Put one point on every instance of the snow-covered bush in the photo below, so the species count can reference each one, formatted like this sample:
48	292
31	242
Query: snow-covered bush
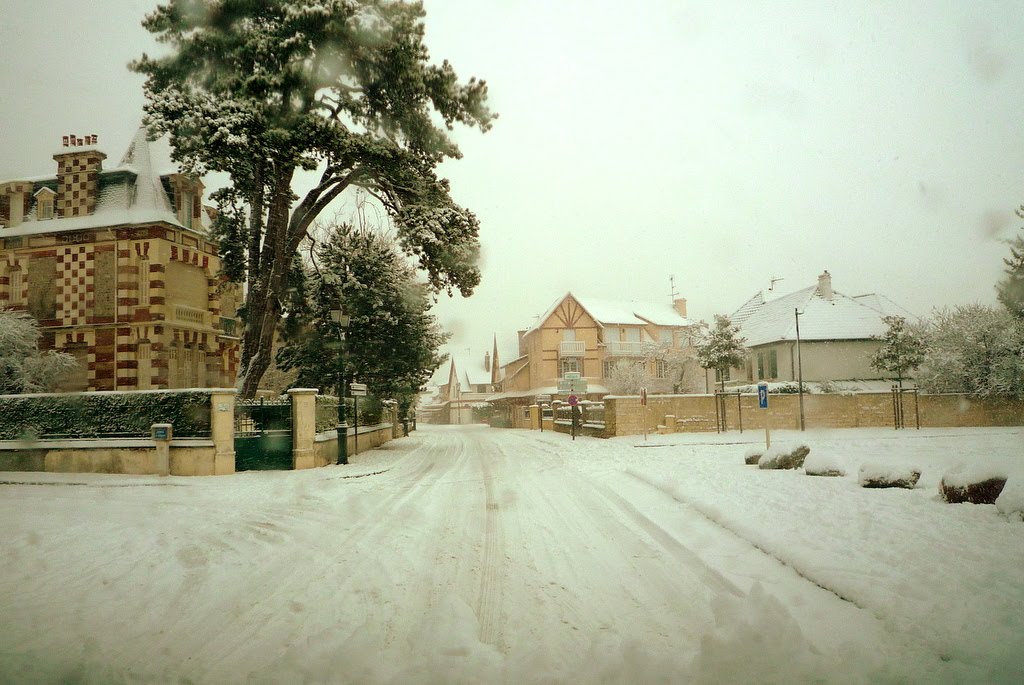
824	465
784	457
753	455
888	476
974	483
1011	500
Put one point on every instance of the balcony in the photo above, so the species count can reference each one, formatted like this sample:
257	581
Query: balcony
191	315
572	348
625	349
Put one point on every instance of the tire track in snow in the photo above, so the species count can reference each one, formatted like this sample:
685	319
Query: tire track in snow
489	602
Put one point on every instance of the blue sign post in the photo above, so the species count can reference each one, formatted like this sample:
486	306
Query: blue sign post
762	403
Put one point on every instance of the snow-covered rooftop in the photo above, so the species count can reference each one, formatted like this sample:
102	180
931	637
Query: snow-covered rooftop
138	198
824	315
621	312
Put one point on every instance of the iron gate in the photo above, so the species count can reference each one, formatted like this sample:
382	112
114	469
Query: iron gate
263	435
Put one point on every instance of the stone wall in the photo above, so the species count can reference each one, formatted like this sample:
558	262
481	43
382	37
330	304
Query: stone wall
696	413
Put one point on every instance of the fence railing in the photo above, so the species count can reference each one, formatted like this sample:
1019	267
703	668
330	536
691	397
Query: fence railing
625	349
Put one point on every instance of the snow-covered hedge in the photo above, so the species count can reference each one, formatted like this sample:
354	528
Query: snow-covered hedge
753	455
784	457
824	465
104	414
974	483
888	476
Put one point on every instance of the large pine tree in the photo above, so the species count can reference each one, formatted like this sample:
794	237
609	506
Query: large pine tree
262	89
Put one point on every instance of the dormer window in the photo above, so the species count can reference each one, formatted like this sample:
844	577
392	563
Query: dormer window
44	204
186	209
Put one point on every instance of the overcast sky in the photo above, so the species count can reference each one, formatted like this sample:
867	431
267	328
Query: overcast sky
723	143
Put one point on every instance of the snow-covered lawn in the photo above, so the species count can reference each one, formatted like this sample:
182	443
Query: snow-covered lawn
468	554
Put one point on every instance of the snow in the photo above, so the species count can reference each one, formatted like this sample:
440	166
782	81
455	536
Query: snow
1010	502
886	472
965	474
469	554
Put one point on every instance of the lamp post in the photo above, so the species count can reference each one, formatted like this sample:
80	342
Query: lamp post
341	319
800	366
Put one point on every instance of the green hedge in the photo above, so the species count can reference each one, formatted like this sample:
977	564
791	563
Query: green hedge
101	414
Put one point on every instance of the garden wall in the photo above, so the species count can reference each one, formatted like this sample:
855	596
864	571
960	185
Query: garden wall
696	413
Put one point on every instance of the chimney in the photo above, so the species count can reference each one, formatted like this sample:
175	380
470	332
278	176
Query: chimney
680	304
522	343
825	285
487	361
78	176
18	196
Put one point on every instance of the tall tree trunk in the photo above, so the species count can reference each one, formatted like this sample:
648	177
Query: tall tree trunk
266	286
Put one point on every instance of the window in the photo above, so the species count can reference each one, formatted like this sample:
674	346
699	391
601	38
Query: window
526	413
633	334
569	334
16	287
145	365
186	209
760	364
773	364
720	376
144	281
660	368
570	365
666	336
608	368
44	205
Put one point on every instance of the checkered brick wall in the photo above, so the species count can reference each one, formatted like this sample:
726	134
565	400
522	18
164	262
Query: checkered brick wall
75	267
78	182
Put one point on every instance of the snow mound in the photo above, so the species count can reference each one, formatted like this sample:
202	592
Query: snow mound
1011	500
784	456
753	455
824	465
875	475
974	483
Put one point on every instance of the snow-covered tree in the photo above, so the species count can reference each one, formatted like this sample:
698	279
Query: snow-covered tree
721	348
23	368
974	349
1011	289
263	89
628	376
903	348
392	339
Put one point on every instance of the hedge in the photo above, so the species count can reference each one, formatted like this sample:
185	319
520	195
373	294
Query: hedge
102	415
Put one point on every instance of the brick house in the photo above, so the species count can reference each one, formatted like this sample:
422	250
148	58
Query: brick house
118	269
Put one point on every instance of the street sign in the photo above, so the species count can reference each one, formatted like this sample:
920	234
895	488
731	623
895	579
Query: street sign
573	400
762	395
357	389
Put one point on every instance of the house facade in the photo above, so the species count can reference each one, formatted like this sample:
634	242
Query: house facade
118	269
837	335
469	384
601	340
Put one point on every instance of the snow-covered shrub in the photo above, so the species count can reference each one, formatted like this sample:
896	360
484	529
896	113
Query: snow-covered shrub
974	483
888	476
824	465
753	455
1011	500
784	457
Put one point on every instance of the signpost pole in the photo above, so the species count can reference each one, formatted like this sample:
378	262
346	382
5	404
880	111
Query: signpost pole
762	403
643	410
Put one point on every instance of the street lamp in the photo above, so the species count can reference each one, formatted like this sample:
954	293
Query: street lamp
339	317
800	366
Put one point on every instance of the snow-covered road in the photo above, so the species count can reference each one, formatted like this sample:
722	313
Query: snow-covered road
468	554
